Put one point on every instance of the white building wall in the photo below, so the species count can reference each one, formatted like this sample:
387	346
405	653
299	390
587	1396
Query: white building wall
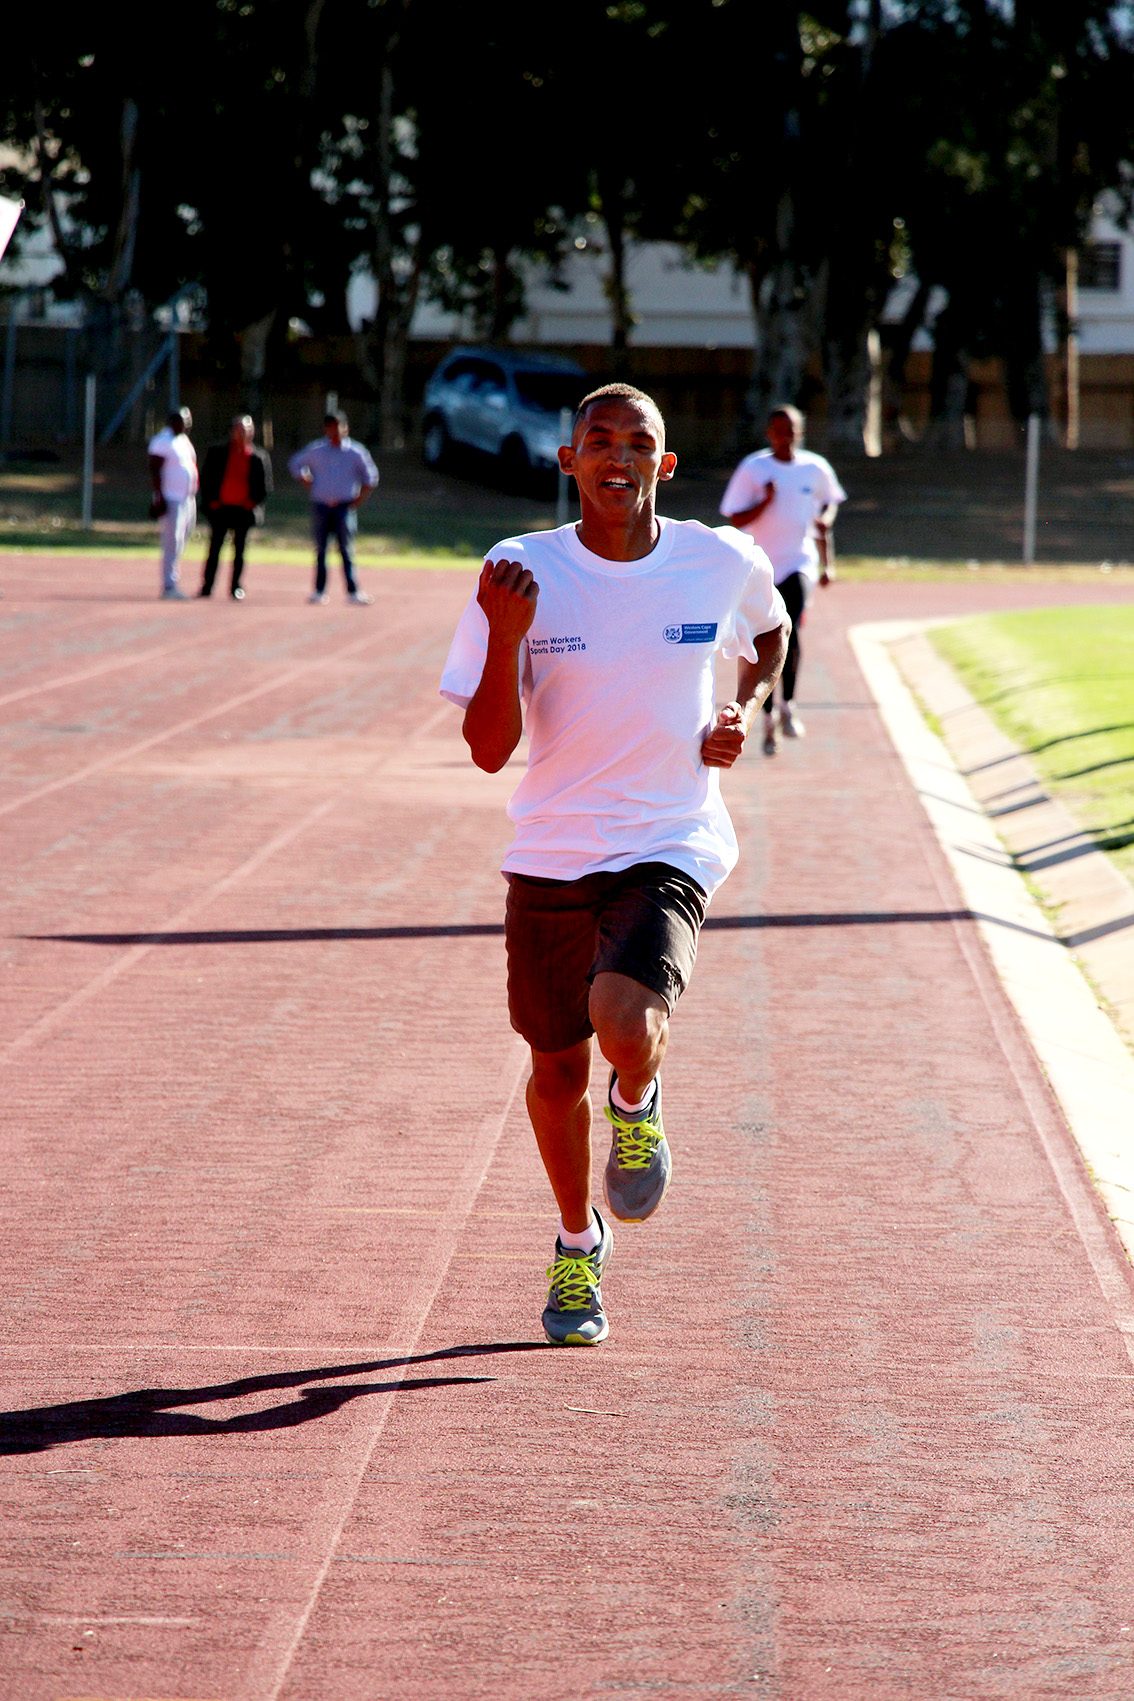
676	303
1106	317
680	304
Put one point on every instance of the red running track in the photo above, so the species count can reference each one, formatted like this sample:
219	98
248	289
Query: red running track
277	1417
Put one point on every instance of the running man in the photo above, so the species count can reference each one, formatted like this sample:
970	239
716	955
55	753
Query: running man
786	498
606	632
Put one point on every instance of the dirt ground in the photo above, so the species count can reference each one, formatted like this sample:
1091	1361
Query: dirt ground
933	507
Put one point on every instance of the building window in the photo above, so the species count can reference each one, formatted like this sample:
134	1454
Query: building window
1100	266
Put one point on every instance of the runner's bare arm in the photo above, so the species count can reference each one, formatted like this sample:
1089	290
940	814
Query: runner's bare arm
754	682
157	501
823	538
745	516
493	722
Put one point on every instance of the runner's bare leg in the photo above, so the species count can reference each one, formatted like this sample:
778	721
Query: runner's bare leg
631	1024
559	1104
632	1027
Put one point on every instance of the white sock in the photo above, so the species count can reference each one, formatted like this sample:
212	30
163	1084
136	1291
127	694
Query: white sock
624	1104
581	1240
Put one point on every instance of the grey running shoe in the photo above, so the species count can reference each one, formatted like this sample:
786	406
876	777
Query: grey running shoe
173	593
573	1316
790	724
771	737
639	1166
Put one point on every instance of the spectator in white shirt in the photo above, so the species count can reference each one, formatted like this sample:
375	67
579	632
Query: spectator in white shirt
173	474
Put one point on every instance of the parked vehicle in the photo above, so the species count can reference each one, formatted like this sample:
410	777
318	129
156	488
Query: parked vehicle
502	403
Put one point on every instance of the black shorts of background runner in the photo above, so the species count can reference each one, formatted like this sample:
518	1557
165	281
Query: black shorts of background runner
642	922
794	590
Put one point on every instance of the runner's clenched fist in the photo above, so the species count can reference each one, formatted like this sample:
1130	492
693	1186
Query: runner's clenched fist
508	594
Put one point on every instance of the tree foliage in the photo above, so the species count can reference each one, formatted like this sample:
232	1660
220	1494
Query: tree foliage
264	151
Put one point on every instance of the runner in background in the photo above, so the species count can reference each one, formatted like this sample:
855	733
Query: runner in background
786	499
607	632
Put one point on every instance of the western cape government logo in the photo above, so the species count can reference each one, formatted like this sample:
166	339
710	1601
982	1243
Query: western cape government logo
700	632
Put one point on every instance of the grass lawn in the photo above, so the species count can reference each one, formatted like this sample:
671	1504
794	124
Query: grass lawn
443	544
1060	682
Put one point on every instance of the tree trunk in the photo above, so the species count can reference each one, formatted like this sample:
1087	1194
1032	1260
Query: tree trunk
613	195
847	369
66	254
1025	369
785	301
894	380
949	383
253	340
381	346
125	236
392	418
503	306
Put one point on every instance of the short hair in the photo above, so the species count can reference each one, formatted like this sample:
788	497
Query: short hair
179	417
339	419
620	393
788	412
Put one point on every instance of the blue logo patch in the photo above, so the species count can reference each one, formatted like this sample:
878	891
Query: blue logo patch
702	632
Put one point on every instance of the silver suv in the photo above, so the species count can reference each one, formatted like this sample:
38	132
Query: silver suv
501	403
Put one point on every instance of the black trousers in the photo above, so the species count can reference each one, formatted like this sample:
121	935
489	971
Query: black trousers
239	522
793	589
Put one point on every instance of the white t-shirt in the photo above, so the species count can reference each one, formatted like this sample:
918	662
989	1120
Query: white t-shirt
179	464
785	531
617	675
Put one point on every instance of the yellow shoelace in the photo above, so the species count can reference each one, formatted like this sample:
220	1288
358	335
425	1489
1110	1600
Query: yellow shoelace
634	1142
573	1280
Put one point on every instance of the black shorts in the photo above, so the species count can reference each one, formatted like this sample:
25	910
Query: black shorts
642	922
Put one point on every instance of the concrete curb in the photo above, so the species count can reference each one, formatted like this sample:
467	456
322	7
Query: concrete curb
1089	1068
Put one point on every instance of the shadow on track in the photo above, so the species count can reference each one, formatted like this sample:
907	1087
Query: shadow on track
486	929
154	1411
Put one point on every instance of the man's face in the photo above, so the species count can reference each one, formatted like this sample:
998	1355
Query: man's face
181	421
618	457
333	432
243	432
782	434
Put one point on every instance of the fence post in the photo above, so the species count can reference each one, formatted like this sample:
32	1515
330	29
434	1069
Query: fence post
1072	287
9	377
88	453
1031	488
563	491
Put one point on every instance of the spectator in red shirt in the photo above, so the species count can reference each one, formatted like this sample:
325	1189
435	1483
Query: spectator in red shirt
235	480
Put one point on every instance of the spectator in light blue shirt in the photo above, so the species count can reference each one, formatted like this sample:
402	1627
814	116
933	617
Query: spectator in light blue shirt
340	476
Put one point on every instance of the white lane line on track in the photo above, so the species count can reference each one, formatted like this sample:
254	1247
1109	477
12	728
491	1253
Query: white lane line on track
263	690
113	665
1027	968
276	1650
173	924
65	679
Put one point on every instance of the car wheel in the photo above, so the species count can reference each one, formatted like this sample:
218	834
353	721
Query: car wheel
515	466
436	444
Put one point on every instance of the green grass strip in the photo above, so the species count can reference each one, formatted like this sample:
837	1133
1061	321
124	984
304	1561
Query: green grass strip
1060	683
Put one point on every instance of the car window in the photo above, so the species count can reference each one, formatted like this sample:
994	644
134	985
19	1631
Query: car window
463	368
550	391
489	377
